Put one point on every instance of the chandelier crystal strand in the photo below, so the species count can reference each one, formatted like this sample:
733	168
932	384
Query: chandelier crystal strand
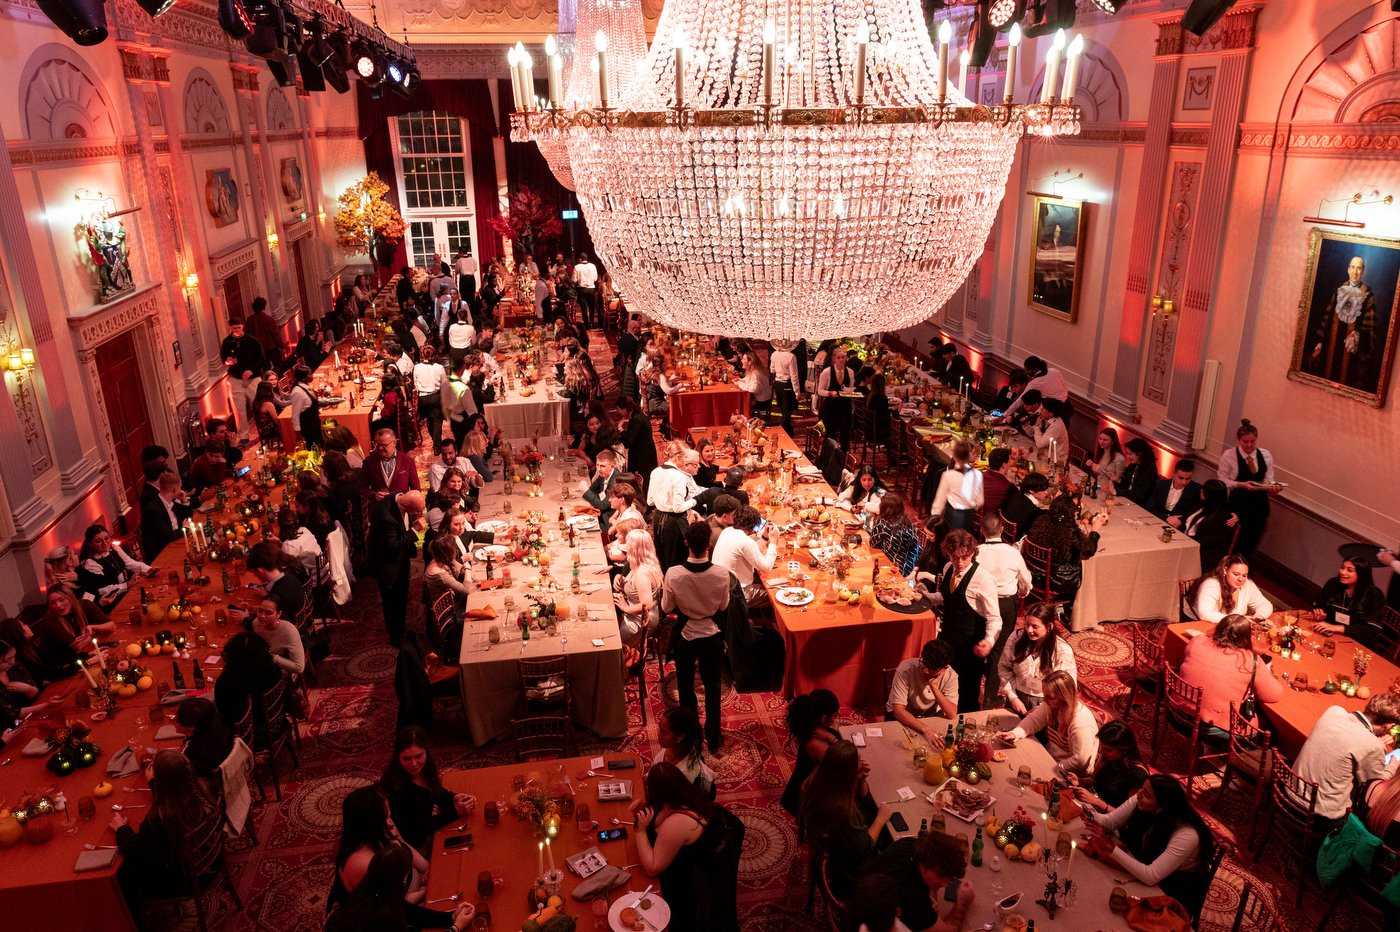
813	217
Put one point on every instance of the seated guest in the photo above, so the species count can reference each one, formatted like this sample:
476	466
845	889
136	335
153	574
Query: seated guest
657	389
1139	479
605	475
340	439
208	471
1016	381
1344	751
476	446
1213	526
683	744
1050	434
811	721
757	382
208	739
1378	807
418	803
733	477
1031	653
366	831
217	428
921	868
839	817
36	670
956	371
894	533
862	497
448	494
707	476
449	460
1069	725
597	437
998	481
1161	840
272	567
343	488
151	473
297	541
721	517
737	551
1108	462
622	498
1227	590
104	569
66	631
282	637
923	686
311	515
1350	603
249	672
1024	413
1178	496
1025	504
959	494
637	595
1070	545
17	690
1225	668
1120	773
164	515
153	863
446	572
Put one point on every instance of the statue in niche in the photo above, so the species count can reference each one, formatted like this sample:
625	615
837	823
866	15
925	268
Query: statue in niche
106	242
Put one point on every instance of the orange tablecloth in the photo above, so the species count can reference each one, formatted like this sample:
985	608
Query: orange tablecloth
38	886
357	419
843	648
1295	714
514	315
710	406
511	852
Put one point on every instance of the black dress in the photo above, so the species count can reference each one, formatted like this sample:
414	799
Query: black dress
1252	506
209	748
1116	780
418	916
801	770
418	812
1215	535
640	443
697	885
1138	482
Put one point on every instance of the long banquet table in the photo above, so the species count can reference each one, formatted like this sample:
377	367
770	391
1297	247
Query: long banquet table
356	418
38	886
843	648
710	406
1295	714
491	688
534	415
892	768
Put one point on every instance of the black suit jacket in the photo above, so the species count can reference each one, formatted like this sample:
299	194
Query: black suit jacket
1138	483
389	545
292	594
156	531
1021	511
706	499
1189	503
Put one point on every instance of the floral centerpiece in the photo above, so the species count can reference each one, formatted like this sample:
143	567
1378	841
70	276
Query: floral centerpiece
839	564
71	748
534	805
971	761
533	461
357	354
1018	830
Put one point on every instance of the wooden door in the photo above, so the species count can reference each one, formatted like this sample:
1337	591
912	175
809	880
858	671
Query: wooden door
118	366
233	298
308	310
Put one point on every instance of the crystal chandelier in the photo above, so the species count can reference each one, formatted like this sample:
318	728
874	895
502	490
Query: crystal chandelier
790	170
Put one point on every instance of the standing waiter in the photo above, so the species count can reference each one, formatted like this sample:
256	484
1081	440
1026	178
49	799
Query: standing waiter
1013	579
835	379
244	358
672	491
465	267
971	616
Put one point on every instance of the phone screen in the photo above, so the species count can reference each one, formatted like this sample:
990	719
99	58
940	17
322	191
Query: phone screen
457	841
612	834
243	471
762	523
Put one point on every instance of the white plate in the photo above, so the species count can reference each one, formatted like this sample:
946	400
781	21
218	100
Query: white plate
971	816
494	527
496	553
794	596
656	918
584	522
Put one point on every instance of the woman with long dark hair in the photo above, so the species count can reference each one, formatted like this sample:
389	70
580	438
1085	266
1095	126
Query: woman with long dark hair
1070	545
1108	462
1140	474
418	803
1212	525
1350	595
811	721
598	435
1226	590
878	407
1161	840
17	689
1225	668
864	493
839	816
249	672
152	863
1120	772
682	743
105	571
20	636
377	905
265	413
1030	653
67	630
208	739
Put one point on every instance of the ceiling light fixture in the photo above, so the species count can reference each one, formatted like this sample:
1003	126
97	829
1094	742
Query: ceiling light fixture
83	21
1004	13
1203	14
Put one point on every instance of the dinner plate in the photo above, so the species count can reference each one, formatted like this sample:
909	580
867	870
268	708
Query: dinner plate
495	552
794	595
584	522
655	918
494	527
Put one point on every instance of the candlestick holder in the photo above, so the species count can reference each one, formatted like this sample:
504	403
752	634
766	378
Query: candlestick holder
1058	893
552	881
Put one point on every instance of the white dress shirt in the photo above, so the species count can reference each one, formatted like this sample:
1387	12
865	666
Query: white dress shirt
1050	385
1229	467
457	400
586	275
304	548
671	489
301	400
1006	566
461	336
1209	606
1054	430
405	365
428	378
465	265
962	490
982	597
438	469
740	554
783	365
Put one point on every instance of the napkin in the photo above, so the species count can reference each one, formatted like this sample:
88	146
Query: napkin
603	880
174	697
805	470
168	733
38	747
123	763
95	860
585	510
486	611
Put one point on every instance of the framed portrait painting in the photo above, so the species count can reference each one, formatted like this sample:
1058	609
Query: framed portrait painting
1057	256
221	196
1347	317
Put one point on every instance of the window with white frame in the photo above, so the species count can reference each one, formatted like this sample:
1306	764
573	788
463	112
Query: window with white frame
435	175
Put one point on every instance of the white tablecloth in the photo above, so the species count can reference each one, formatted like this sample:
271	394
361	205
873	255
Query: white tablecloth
535	415
1134	575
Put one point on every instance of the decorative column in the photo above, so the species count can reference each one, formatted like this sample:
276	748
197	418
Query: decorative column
268	197
498	148
1122	400
1201	268
77	472
319	219
245	87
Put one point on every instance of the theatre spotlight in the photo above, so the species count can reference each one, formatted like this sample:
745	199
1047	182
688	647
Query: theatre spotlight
155	7
235	19
1048	17
411	78
83	21
336	67
369	63
1203	14
269	38
284	72
980	38
295	35
1110	6
1003	14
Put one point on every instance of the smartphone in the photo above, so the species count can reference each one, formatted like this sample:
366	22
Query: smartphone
612	834
242	471
950	892
457	841
622	764
897	820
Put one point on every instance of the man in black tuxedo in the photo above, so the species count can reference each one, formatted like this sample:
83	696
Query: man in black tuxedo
392	542
732	477
604	476
1176	498
1022	506
164	515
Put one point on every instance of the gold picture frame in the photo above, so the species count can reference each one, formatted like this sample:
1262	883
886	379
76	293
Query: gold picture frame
1059	228
1348	315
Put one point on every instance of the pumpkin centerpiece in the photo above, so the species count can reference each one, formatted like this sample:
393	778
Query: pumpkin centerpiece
71	748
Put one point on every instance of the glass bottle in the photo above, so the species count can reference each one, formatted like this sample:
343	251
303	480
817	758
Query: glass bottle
977	848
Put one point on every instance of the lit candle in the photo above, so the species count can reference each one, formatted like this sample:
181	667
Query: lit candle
1069	871
550	848
512	59
945	36
1013	43
963	59
1076	48
679	44
862	41
551	51
337	365
101	658
1045	828
600	42
770	59
541	873
1052	67
87	673
185	533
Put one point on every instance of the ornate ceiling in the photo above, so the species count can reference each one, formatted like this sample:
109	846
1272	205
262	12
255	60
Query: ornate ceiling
477	22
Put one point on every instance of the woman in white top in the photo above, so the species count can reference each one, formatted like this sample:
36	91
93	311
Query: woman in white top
1031	654
1072	730
1161	840
637	595
1227	590
757	382
959	490
782	364
1051	438
862	496
1108	462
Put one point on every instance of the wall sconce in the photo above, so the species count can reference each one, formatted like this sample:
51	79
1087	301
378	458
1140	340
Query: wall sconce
1356	200
20	362
192	281
1055	183
1163	306
321	214
272	239
83	194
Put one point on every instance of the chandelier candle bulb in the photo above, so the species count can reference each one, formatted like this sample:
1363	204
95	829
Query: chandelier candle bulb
597	97
1013	44
945	36
513	59
862	42
679	43
551	51
600	42
963	59
1052	67
528	63
770	59
1076	48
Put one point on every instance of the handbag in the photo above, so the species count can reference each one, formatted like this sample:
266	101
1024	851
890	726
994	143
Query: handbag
1249	707
1158	914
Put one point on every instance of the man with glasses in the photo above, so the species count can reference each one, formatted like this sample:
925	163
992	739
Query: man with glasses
924	685
386	471
672	491
391	545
